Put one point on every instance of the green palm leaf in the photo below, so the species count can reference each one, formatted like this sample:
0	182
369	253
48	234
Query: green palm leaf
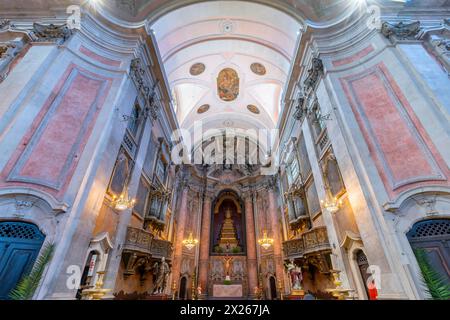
437	286
27	286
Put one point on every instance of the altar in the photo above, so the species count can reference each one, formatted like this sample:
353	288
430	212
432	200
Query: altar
227	291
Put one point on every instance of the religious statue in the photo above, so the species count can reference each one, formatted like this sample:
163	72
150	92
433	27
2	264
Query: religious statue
160	273
199	291
295	273
228	265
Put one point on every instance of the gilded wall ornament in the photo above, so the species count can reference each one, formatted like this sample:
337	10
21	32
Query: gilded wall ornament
228	84
203	108
197	69
258	68
254	109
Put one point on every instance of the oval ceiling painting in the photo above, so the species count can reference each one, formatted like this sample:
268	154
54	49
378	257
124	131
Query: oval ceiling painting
228	84
197	69
203	109
252	108
258	69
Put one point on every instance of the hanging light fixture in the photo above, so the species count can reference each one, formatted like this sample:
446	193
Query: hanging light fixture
265	242
190	242
332	205
123	202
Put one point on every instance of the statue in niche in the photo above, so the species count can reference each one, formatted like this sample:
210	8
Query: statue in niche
228	84
160	271
295	273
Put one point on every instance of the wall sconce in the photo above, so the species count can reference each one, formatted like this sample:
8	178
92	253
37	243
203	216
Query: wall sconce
332	205
265	242
190	242
123	202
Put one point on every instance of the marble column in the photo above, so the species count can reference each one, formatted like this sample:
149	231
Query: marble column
181	224
277	246
252	262
204	244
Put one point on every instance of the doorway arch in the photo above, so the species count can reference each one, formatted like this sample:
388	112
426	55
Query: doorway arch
20	243
433	236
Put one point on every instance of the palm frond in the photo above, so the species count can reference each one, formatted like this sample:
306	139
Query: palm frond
27	286
436	285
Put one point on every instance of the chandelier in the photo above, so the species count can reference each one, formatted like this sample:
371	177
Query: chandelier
190	242
123	202
265	242
332	205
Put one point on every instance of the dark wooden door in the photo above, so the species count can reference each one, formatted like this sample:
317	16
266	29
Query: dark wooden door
273	288
19	246
363	265
434	237
183	288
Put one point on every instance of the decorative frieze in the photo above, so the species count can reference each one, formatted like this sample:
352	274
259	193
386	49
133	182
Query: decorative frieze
401	30
50	33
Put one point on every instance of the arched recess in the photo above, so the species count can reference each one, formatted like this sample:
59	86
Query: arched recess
227	197
20	243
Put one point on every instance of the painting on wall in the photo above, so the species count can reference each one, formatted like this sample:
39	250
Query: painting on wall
253	109
258	68
228	84
121	173
203	109
197	69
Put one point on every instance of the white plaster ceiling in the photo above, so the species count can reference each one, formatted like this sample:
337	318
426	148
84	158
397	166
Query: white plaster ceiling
227	34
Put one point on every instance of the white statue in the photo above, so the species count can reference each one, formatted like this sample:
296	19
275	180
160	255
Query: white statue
160	272
295	273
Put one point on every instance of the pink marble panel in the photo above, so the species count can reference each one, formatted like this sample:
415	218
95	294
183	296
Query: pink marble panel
403	153
49	152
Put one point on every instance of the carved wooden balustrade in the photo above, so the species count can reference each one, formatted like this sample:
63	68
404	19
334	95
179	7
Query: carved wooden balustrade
313	241
141	250
143	241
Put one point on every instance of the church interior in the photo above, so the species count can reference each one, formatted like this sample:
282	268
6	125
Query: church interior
217	150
